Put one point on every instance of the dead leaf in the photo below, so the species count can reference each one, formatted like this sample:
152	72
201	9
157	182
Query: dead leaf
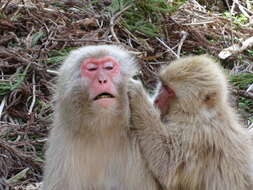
87	23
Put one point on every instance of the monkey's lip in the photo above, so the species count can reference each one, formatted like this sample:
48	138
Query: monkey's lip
103	95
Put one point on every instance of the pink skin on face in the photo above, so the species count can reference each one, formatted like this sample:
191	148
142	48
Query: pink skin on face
163	99
101	73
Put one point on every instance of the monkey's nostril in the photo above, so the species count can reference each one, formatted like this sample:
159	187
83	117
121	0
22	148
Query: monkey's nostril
102	81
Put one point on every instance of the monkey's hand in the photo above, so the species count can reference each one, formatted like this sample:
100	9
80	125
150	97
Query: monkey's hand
136	90
141	106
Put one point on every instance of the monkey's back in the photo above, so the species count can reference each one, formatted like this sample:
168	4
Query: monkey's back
216	152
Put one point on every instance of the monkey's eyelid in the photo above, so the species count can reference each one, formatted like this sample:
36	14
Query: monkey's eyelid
91	67
108	65
108	68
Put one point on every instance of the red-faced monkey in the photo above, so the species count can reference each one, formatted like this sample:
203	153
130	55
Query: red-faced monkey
89	144
197	143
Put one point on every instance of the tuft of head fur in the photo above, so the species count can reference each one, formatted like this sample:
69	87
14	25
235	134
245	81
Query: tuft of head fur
197	81
127	63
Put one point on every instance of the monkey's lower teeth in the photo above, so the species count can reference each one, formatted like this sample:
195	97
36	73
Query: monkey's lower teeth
103	96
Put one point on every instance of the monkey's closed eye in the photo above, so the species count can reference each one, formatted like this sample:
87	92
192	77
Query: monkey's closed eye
92	67
108	66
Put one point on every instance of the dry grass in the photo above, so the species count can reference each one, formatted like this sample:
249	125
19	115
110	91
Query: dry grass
35	36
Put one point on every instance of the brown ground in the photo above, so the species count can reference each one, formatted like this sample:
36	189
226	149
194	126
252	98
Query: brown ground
35	36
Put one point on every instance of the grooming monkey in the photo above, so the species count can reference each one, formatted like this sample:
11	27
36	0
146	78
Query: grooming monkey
89	144
197	143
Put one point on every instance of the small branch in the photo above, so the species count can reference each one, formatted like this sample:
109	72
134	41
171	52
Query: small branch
243	9
2	9
168	48
2	106
199	23
113	20
244	94
236	48
78	40
184	36
52	72
34	95
227	4
250	89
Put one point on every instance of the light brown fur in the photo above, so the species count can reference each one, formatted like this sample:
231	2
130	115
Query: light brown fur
199	144
89	147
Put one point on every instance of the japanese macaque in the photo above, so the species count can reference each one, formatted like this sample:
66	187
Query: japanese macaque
196	143
89	145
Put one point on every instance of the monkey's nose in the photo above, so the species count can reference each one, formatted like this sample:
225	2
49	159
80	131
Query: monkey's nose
102	81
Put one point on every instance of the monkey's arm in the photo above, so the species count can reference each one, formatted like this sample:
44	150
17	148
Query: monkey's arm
156	144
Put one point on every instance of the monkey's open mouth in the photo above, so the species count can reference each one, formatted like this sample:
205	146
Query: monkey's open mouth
103	95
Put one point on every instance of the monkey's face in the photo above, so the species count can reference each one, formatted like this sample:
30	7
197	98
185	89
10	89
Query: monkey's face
196	82
92	83
165	96
102	76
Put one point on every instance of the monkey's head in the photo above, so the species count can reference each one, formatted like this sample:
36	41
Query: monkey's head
190	84
92	83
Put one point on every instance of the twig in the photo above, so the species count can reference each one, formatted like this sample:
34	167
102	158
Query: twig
230	19
18	153
168	48
113	20
134	38
34	95
227	4
199	23
52	72
243	9
2	107
2	9
25	7
184	36
244	94
78	40
250	90
232	8
236	48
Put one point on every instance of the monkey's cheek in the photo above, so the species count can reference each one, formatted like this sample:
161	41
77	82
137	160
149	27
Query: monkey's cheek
162	105
104	102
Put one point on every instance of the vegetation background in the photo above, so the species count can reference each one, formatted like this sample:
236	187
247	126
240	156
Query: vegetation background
36	36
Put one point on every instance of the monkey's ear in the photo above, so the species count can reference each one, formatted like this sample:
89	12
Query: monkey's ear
210	99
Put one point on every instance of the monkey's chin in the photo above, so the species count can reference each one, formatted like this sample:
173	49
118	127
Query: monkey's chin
104	102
